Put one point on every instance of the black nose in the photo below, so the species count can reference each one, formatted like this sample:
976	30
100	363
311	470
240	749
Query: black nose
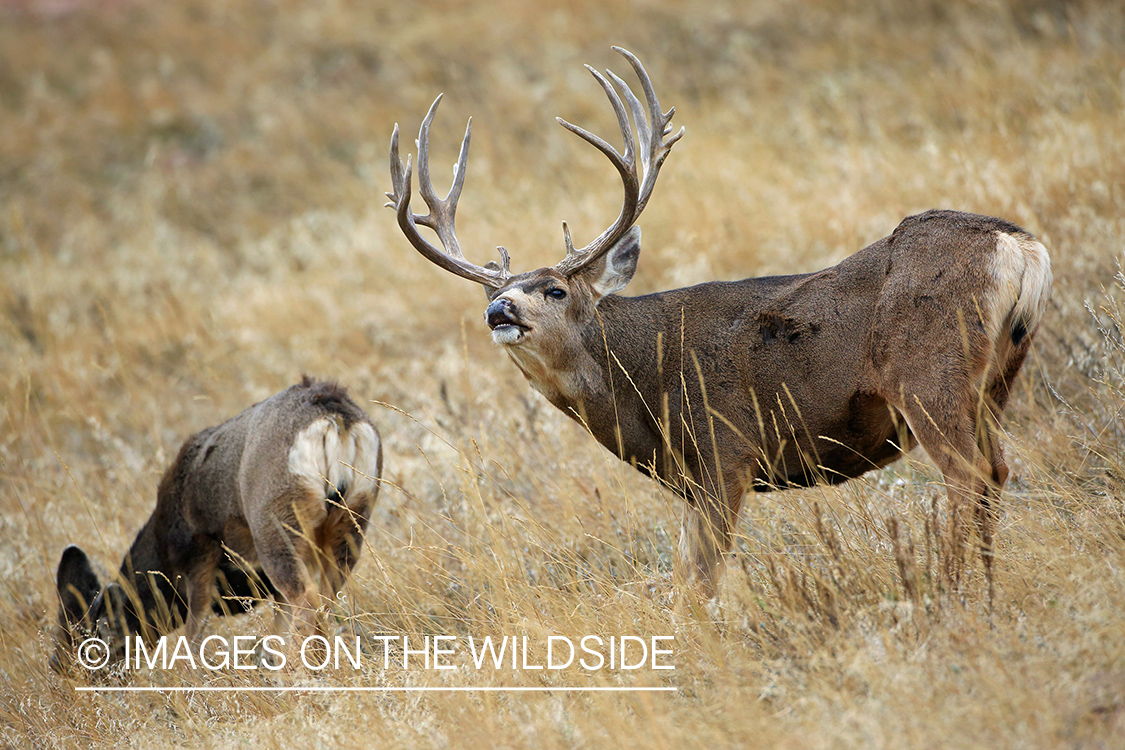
498	313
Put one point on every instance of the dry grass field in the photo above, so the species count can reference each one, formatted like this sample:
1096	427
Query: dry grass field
191	217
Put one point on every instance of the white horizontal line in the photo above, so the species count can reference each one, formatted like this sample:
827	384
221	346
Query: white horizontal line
324	689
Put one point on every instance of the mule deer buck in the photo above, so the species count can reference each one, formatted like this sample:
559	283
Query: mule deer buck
764	383
256	505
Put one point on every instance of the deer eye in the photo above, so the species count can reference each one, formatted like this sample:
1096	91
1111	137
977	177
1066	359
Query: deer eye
556	293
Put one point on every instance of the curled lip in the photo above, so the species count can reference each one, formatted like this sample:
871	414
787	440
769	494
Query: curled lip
501	319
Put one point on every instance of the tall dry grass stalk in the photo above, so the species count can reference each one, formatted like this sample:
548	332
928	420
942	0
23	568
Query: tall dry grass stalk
190	218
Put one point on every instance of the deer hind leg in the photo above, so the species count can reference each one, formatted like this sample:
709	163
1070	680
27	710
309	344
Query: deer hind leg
341	540
967	453
990	486
991	472
284	535
989	410
706	537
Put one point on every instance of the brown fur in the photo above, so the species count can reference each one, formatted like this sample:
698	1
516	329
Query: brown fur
787	381
233	519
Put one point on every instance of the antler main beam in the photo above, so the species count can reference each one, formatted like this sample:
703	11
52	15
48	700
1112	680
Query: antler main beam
652	129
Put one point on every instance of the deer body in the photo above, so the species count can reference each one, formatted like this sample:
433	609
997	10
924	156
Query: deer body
770	382
259	504
767	352
790	381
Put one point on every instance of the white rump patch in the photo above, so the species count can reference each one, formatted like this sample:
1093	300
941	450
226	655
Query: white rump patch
324	454
1022	270
365	462
307	459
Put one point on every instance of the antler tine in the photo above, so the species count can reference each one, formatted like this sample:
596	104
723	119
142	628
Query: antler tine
643	131
397	172
626	164
652	150
442	211
623	161
661	126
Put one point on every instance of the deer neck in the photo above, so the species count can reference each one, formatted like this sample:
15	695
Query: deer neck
142	569
567	376
596	377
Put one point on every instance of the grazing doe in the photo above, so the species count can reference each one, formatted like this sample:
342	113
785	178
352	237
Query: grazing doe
256	505
764	383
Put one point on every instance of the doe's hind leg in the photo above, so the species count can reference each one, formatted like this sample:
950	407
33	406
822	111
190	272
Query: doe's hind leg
991	477
284	536
340	540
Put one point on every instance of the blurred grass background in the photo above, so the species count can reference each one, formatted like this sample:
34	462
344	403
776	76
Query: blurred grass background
191	216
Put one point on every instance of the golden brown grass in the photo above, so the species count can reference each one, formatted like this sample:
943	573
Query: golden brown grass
190	217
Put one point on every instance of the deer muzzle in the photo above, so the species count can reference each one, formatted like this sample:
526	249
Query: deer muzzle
503	318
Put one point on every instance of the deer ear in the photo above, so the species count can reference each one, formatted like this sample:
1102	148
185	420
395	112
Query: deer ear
614	270
77	585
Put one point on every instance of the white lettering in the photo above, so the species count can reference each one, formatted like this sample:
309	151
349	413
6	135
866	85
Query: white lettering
551	641
486	648
601	658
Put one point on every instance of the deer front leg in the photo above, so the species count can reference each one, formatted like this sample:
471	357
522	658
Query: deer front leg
706	536
200	591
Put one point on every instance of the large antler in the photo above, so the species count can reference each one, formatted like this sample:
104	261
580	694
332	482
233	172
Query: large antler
654	149
442	212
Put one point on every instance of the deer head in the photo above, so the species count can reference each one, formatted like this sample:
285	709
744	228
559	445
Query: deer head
87	609
537	315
